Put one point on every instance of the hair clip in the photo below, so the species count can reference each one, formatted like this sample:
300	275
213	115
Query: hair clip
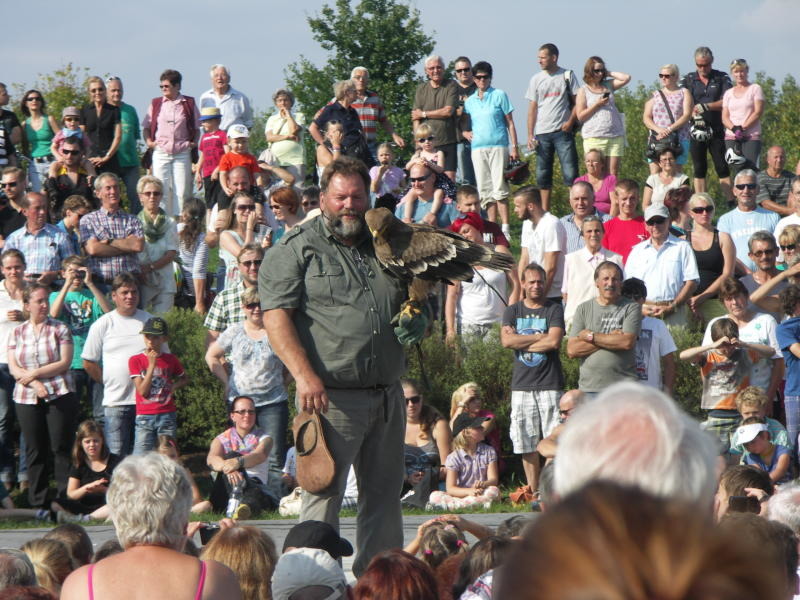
449	526
460	543
429	551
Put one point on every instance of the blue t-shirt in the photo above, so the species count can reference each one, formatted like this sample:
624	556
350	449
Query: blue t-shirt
488	116
788	333
755	459
741	225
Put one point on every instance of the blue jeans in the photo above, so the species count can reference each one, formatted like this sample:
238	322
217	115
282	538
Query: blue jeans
119	429
466	174
94	394
7	418
221	270
149	427
791	405
273	419
548	145
130	176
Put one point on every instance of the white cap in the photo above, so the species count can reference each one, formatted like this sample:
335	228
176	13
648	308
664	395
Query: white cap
657	209
238	131
747	433
304	567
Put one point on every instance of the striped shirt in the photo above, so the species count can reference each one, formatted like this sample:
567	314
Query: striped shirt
43	250
370	112
193	261
33	351
103	225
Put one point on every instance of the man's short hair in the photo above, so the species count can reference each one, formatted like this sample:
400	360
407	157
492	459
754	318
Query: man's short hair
15	568
627	185
636	435
730	288
20	173
219	66
704	52
552	49
467	191
171	75
530	194
584	184
746	173
433	58
124	280
534	266
784	506
345	166
74	203
761	236
462	59
607	264
736	478
98	182
724	327
634	288
252	247
356	70
789	297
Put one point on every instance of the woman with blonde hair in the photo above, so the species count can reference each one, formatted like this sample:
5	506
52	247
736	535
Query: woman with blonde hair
102	124
250	554
468	399
52	563
667	114
742	109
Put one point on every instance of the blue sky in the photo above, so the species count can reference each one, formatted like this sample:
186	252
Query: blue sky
137	40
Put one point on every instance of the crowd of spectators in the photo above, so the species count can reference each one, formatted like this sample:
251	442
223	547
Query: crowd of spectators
86	284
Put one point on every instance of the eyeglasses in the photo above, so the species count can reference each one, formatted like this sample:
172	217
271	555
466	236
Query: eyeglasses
665	75
246	207
746	186
666	159
436	68
10	184
703	209
33	99
430	138
413	399
463	70
767	252
252	306
483	76
71	153
251	263
656	221
154	193
313	203
788	248
244	411
419	179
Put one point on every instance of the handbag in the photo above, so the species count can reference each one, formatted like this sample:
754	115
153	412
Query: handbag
672	142
316	468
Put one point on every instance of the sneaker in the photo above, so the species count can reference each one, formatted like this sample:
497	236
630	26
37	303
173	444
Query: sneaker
506	229
63	516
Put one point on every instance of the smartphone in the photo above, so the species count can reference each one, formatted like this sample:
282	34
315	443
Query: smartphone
606	94
744	504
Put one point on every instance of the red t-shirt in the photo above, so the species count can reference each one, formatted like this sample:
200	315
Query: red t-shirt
161	399
212	145
231	160
621	235
490	228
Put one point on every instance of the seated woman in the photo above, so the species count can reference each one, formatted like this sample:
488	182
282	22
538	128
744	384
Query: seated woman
467	400
427	444
149	498
472	308
668	178
472	473
238	455
92	466
167	446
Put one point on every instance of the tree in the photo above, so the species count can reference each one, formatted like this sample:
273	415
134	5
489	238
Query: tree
66	86
384	36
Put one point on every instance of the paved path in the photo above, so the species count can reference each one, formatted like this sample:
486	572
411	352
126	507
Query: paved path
14	538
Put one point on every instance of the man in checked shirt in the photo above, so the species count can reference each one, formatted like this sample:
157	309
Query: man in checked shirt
111	236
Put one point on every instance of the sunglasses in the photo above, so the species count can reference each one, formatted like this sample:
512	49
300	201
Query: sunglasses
702	66
97	90
760	253
275	206
483	77
463	70
702	209
656	221
598	71
244	411
70	152
252	306
307	204
246	207
151	193
788	248
746	186
419	179
430	138
33	99
413	399
10	184
665	75
71	118
166	86
251	263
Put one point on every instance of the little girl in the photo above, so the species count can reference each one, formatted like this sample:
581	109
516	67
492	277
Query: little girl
89	476
443	536
388	180
760	452
470	480
167	446
71	120
467	400
426	153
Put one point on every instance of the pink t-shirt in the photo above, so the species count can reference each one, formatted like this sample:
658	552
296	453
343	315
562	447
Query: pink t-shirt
602	197
212	145
739	108
621	236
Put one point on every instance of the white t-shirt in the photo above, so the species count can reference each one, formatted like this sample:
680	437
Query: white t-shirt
653	343
527	232
551	94
112	340
549	236
7	303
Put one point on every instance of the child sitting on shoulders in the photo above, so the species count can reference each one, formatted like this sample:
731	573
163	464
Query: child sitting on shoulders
239	156
71	120
388	180
472	472
752	401
725	366
775	459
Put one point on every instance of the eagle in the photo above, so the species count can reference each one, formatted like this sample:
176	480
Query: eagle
424	255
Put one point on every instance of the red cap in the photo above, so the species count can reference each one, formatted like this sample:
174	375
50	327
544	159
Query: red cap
469	218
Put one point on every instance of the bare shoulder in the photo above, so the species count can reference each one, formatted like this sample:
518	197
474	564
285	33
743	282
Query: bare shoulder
221	583
76	586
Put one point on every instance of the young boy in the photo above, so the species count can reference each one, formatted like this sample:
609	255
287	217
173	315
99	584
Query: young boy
752	401
79	303
75	207
775	459
237	157
156	375
725	366
213	146
469	200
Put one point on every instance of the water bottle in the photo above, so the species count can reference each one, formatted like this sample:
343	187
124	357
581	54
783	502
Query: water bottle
235	500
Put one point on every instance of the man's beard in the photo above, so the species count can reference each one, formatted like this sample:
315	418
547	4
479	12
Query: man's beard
345	230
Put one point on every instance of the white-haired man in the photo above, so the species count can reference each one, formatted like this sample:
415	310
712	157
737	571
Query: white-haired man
233	104
371	111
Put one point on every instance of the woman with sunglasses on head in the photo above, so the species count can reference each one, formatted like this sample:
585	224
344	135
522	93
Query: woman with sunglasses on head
40	128
428	441
239	231
257	373
102	123
157	290
676	100
715	256
603	128
742	109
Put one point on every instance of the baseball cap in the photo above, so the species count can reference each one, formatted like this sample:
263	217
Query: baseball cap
318	534
155	326
747	433
210	112
238	131
304	567
655	210
464	421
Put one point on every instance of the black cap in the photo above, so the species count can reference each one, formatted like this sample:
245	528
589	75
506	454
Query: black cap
155	326
464	421
317	534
